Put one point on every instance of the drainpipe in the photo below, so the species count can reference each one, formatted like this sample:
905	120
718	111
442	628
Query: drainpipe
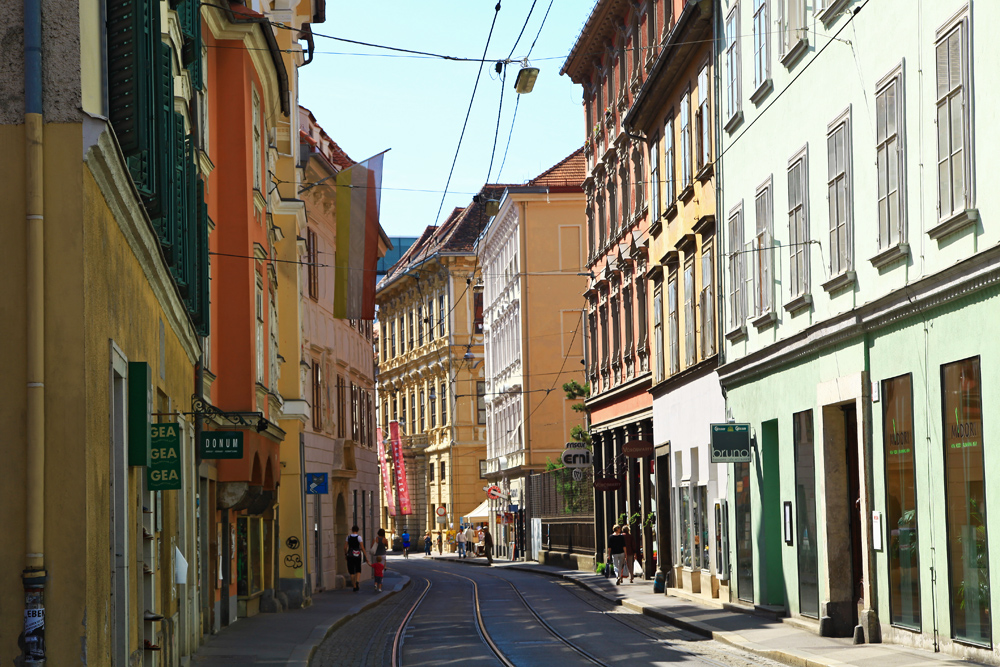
34	576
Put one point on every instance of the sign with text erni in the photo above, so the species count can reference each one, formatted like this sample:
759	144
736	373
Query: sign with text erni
730	443
164	470
222	444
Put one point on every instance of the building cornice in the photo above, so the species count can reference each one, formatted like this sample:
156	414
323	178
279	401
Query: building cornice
965	278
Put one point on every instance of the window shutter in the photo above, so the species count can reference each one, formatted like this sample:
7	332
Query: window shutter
133	33
751	278
201	310
190	19
163	208
178	193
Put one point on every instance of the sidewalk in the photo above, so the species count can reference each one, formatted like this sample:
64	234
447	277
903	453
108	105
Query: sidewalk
289	638
776	640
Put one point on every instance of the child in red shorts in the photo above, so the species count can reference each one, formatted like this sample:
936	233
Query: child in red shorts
378	570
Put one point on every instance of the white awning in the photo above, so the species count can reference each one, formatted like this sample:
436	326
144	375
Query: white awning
481	512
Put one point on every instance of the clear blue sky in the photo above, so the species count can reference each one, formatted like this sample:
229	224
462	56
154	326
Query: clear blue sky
416	105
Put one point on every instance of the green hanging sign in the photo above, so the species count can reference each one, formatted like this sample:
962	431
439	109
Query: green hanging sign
222	444
164	470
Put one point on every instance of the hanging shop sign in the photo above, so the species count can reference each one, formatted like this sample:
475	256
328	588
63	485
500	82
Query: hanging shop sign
222	444
576	455
390	499
493	493
636	449
317	483
164	470
607	484
402	486
730	443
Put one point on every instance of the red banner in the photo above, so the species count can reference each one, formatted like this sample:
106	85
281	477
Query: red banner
390	501
397	460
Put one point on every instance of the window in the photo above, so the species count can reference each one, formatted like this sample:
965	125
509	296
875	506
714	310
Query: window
480	402
793	25
640	289
733	101
341	407
442	314
673	324
401	325
891	166
626	191
604	335
839	194
413	412
383	335
798	225
686	139
952	122
703	121
256	147
430	472
482	469
395	410
737	270
409	329
616	334
423	411
690	349
444	472
420	326
763	255
901	502
385	418
612	205
432	406
805	513
429	321
744	533
640	193
965	496
601	222
627	316
443	399
402	412
312	257
592	322
651	27
591	230
654	177
317	396
707	303
669	163
761	61
477	300
259	308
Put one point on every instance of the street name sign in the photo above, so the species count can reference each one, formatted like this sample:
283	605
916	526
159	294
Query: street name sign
164	470
222	444
730	443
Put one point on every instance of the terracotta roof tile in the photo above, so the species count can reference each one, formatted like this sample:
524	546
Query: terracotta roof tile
570	171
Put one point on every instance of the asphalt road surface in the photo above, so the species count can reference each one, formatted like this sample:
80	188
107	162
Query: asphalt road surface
454	614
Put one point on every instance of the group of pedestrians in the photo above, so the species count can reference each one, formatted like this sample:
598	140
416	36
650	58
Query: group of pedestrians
623	552
355	554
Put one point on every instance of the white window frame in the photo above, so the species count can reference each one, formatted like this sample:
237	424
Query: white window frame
673	323
839	179
890	149
956	94
734	102
737	297
690	318
669	163
659	362
259	327
704	124
761	45
707	297
654	176
798	225
763	246
257	133
687	174
794	29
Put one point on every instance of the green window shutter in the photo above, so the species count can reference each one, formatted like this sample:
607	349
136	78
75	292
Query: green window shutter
200	288
133	31
179	188
165	210
188	12
140	404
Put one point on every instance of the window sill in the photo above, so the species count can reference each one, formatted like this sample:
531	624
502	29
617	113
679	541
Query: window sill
762	91
705	173
737	334
733	122
259	202
792	56
828	15
687	193
890	255
798	304
764	321
842	281
955	223
671	212
656	226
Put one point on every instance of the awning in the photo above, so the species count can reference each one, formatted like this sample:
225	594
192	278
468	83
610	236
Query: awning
481	512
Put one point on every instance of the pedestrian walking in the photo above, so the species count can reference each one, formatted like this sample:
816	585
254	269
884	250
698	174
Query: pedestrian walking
406	543
460	541
488	544
380	546
629	553
355	553
378	571
427	544
616	549
470	540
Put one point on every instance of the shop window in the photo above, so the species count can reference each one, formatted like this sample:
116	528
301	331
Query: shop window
480	402
805	507
249	555
744	533
699	515
685	526
901	502
965	496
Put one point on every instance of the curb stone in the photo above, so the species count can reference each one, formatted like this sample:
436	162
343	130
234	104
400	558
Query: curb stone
302	655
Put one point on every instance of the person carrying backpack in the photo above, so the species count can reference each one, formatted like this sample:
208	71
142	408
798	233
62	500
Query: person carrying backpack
355	553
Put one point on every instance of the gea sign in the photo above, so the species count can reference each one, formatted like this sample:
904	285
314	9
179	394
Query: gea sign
730	443
576	455
164	470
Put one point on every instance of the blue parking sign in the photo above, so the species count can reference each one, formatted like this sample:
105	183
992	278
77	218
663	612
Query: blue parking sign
317	483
